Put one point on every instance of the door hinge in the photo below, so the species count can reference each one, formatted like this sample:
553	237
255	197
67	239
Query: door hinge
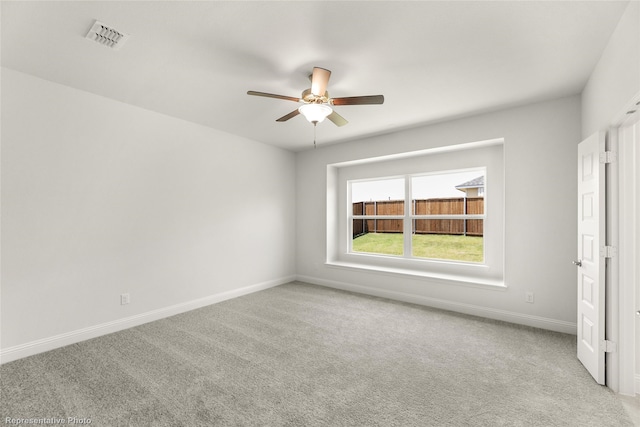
608	157
608	251
609	346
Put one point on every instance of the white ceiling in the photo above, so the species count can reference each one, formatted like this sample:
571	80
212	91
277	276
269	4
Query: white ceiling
431	60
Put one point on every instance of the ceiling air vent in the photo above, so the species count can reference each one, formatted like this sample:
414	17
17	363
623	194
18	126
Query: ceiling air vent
107	36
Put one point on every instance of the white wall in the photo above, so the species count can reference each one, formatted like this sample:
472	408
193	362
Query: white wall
615	81
101	198
540	205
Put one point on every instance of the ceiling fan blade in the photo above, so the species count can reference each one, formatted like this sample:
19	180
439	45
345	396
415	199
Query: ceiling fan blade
271	95
319	81
288	116
358	100
337	119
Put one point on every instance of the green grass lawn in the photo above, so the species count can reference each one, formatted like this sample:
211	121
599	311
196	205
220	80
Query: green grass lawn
434	246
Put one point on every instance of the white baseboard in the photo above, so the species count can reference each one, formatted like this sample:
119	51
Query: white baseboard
34	347
475	310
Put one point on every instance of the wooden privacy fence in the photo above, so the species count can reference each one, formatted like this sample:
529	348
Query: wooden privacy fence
444	206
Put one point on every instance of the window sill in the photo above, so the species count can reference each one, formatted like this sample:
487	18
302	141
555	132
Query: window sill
444	278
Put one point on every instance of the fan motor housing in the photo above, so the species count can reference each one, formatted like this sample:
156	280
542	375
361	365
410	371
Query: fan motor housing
310	98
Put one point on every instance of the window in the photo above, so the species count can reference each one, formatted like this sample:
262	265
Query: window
378	216
442	223
435	214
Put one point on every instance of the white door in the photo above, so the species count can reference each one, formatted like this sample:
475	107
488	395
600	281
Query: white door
591	260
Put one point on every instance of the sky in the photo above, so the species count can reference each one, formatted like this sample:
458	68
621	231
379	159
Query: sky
424	187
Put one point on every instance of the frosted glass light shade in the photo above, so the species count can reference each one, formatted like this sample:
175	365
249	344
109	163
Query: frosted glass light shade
315	112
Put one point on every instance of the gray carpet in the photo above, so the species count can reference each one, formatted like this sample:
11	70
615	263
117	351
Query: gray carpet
303	355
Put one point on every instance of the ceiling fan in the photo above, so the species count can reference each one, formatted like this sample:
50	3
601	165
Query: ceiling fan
317	103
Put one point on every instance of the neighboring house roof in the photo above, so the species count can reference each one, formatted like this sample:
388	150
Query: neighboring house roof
474	183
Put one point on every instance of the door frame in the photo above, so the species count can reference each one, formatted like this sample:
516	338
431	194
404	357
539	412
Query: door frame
623	209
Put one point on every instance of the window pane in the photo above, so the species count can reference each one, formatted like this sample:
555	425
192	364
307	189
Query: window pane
448	239
446	193
378	236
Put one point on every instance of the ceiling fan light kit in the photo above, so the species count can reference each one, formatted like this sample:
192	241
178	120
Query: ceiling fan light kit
317	103
315	113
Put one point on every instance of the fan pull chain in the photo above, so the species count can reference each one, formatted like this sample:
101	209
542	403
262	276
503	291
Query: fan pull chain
315	126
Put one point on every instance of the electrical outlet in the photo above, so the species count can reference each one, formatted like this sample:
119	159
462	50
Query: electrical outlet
528	297
124	299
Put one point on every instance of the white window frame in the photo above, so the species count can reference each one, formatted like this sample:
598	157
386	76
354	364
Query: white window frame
485	154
